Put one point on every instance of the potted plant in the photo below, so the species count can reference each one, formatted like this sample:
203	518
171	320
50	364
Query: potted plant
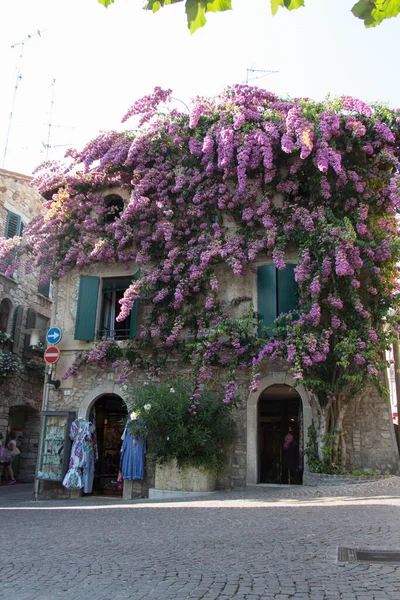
186	436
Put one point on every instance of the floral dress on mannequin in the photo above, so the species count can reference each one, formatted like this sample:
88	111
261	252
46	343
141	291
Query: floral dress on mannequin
83	456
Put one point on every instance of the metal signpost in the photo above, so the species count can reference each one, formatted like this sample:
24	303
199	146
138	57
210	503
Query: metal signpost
51	356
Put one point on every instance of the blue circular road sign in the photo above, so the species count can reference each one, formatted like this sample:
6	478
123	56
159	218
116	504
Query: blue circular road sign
53	336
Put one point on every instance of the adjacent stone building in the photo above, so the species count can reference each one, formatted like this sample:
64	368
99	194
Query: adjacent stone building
25	304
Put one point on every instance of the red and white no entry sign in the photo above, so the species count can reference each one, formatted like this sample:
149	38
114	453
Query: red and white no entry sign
52	354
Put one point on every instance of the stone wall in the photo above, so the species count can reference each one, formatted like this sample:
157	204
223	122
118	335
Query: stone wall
370	437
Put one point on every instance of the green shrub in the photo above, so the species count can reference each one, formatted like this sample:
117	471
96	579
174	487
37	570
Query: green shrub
195	435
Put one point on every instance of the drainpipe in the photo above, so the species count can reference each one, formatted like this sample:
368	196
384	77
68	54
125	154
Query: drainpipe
396	356
45	401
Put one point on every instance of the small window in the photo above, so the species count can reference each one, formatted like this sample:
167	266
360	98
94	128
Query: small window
113	291
92	323
46	288
277	294
5	309
35	321
42	323
115	205
14	225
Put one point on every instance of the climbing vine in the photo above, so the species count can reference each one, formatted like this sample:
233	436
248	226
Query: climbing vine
243	177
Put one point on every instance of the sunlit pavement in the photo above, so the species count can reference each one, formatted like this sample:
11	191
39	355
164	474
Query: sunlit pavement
262	543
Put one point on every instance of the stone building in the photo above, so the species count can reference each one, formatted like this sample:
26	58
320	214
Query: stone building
25	304
85	308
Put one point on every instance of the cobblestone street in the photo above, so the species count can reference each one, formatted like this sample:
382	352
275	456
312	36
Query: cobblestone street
267	543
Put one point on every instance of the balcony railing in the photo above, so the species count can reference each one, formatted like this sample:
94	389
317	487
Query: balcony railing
113	334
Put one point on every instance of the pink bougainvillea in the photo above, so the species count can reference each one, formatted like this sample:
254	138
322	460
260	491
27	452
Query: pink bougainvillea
246	175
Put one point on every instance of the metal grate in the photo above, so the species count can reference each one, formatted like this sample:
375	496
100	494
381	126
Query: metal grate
352	555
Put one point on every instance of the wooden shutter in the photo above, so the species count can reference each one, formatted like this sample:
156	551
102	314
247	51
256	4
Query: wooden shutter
287	290
30	324
87	308
13	225
134	311
267	304
16	331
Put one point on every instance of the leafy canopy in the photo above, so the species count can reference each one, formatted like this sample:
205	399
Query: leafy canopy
372	12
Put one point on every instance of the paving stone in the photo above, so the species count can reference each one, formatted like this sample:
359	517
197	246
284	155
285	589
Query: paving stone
270	543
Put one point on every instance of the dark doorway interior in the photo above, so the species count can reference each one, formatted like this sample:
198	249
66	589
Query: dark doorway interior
109	413
279	413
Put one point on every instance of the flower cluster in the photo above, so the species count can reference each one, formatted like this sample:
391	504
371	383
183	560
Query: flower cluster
243	178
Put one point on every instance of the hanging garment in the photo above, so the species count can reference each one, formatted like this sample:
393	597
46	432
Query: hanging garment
132	456
83	456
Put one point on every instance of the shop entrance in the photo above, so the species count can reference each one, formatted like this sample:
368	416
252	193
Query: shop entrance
280	455
109	414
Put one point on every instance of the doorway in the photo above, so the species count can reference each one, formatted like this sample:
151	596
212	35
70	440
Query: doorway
109	414
280	413
24	428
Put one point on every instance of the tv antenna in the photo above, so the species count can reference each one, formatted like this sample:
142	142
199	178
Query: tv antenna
265	71
53	85
17	82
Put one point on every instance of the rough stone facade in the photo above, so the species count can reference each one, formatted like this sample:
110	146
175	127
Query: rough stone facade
21	391
370	437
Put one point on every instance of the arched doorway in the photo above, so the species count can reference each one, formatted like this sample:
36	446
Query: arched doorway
24	428
279	413
276	378
109	414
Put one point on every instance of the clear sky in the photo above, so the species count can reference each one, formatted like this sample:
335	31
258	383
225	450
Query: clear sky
104	59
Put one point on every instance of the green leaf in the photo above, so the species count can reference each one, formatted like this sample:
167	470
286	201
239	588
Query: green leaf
196	11
105	2
373	12
155	5
218	5
289	4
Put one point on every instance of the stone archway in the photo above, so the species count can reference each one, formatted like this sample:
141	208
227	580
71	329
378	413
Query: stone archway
105	389
277	378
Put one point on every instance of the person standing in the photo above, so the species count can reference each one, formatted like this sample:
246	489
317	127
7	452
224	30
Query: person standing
290	457
13	450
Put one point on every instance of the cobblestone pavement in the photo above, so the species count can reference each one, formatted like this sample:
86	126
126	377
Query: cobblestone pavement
264	543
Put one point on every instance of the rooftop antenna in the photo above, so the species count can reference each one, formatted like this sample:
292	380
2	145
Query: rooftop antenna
17	82
266	72
53	85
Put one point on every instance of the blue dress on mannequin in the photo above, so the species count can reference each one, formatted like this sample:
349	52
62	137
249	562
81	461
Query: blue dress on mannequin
132	456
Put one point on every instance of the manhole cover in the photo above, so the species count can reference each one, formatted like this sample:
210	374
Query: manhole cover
368	555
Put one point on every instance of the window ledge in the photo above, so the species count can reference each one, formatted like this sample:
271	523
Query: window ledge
10	279
45	297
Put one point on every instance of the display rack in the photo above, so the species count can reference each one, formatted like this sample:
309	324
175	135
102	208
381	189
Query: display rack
55	445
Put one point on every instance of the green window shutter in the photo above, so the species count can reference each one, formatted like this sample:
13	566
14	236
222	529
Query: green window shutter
13	225
287	290
134	311
17	326
87	308
266	287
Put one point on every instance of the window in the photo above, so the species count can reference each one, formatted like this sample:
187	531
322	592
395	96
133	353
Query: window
46	288
35	321
277	293
5	309
113	290
14	225
92	323
115	206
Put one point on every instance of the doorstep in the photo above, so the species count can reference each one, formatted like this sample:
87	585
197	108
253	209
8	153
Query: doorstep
156	493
